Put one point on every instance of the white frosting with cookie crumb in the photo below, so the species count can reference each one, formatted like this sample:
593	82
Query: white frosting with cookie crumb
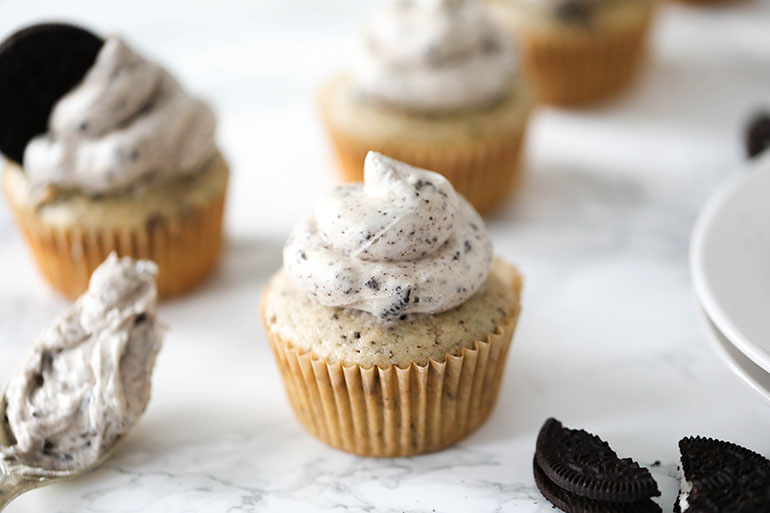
402	242
128	120
86	381
433	55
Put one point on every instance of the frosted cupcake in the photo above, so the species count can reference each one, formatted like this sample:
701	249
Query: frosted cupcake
123	160
578	51
391	320
433	83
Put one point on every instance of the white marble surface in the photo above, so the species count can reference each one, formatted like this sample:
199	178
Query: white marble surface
609	338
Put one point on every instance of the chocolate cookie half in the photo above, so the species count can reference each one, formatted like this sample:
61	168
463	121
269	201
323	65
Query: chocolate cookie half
39	65
584	464
722	477
573	503
758	134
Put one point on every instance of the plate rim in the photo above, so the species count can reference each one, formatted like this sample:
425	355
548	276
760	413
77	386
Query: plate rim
705	295
713	333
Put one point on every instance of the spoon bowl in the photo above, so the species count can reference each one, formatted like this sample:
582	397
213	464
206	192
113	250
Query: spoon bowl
18	479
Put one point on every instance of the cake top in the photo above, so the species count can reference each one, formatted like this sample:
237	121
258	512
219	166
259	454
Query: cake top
429	55
123	121
86	381
354	337
402	242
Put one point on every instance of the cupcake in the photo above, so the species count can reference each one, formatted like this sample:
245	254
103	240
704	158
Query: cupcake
391	319
107	152
577	51
433	83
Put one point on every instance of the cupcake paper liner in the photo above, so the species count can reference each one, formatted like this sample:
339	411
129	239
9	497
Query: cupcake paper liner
393	411
578	68
486	173
185	248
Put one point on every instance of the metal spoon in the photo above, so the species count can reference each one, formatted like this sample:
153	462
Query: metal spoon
15	481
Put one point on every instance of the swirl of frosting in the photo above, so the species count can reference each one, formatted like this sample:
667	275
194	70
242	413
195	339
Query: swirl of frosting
127	119
403	242
433	55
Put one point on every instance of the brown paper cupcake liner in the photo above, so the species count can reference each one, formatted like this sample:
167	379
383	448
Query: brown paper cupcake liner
393	411
186	249
580	68
485	172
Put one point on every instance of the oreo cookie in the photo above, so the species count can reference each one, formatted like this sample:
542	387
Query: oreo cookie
585	465
573	503
722	477
39	65
758	134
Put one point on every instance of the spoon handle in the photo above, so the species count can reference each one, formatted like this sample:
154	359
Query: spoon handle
12	485
6	496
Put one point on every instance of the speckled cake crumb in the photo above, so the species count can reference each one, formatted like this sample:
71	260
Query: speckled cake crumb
157	201
356	337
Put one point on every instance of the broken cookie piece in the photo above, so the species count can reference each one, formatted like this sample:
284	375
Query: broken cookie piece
721	477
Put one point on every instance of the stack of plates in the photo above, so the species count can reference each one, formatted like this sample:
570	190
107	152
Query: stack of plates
730	263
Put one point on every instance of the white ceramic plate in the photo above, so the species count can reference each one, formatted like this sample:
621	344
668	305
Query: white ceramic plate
730	261
754	375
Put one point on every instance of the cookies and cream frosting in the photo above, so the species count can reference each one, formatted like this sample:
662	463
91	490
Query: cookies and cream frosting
580	14
87	380
433	55
402	242
126	120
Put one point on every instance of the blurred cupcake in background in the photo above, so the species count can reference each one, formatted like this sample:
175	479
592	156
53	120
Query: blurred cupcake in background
107	152
578	51
434	83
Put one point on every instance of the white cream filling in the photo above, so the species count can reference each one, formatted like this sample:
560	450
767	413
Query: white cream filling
403	242
685	487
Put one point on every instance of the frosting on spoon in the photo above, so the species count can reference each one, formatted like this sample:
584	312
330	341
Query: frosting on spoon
87	380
